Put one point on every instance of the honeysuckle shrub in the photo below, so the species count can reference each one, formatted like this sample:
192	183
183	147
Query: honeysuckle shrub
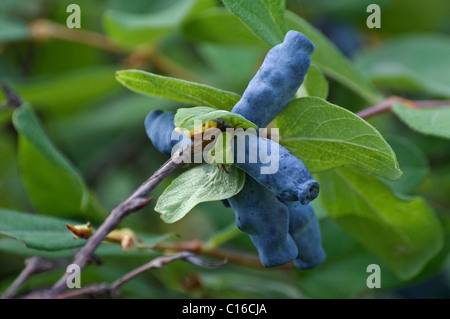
79	144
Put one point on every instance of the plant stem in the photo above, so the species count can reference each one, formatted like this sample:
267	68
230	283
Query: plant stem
33	265
43	29
158	262
196	246
134	202
386	106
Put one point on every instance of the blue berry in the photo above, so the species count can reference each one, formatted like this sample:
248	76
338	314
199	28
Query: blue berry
160	126
276	82
260	214
291	181
272	206
304	229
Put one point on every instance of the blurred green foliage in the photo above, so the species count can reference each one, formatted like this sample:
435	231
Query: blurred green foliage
79	147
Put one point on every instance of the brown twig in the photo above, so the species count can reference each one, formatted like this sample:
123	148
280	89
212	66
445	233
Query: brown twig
12	99
112	289
33	265
43	29
160	61
197	246
134	202
386	106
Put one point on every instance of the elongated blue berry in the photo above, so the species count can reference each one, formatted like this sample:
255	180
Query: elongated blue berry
260	214
278	79
160	129
273	166
304	229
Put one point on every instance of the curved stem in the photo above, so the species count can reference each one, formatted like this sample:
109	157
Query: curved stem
43	29
386	106
134	202
158	262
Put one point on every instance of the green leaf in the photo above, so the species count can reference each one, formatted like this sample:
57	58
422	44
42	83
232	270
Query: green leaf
333	62
13	246
131	29
177	90
200	184
208	26
325	136
315	84
264	17
343	273
277	10
245	285
221	152
49	236
413	162
405	234
65	93
53	184
412	63
186	117
12	30
38	232
12	194
429	121
229	66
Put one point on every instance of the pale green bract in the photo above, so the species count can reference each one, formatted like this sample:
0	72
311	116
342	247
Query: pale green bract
200	184
186	117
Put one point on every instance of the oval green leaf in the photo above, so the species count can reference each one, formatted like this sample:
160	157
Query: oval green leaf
208	26
264	17
177	90
38	232
429	121
413	162
405	234
325	282
326	136
412	63
50	92
200	184
132	29
53	184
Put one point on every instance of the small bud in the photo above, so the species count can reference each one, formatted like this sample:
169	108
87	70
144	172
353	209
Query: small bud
81	231
124	236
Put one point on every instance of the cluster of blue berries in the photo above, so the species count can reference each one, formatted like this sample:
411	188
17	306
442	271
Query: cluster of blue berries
272	208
